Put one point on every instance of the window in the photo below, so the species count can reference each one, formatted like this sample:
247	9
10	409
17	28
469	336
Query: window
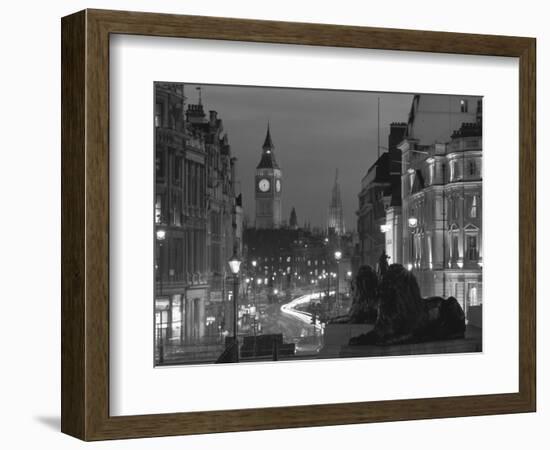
473	207
473	297
158	208
177	170
176	209
472	168
411	180
471	242
160	166
464	106
158	114
418	247
454	207
454	243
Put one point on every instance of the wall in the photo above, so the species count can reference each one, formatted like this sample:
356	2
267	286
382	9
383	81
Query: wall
30	231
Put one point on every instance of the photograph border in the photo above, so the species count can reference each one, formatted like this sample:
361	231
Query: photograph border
85	224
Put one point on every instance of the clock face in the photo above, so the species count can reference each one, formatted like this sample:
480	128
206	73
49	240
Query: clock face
264	185
278	185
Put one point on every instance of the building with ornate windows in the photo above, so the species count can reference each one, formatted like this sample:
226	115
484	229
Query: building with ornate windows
196	218
441	185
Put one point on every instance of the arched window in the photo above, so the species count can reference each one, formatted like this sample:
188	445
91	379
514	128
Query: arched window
472	169
473	207
471	247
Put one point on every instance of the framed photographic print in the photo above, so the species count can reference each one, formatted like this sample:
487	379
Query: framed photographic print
270	224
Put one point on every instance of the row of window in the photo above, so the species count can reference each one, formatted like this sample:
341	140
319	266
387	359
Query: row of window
459	170
193	194
471	205
418	243
186	254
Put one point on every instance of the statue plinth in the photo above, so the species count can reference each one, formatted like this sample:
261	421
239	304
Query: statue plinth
338	335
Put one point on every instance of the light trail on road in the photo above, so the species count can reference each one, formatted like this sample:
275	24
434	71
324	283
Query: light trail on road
288	308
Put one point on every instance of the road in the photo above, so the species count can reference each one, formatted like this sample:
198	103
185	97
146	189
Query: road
295	325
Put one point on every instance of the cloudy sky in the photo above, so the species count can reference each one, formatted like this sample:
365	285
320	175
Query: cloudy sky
314	132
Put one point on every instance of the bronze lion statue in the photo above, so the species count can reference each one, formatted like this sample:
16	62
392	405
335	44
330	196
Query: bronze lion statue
364	307
403	316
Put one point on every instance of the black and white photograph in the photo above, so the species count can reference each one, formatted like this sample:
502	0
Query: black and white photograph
296	224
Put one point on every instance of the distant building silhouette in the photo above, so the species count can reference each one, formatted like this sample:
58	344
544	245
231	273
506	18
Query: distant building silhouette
335	210
293	221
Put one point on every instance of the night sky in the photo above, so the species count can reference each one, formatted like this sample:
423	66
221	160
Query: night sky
314	132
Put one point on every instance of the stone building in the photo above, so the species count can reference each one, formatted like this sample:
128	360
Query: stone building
224	211
195	216
442	202
380	195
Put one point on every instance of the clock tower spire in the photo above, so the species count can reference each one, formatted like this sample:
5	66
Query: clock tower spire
268	187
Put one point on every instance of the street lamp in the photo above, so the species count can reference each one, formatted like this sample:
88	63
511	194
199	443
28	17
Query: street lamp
337	257
413	221
234	266
161	236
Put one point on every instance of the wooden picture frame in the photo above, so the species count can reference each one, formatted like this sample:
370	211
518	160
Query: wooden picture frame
85	224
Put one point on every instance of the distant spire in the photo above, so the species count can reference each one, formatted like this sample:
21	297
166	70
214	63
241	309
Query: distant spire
268	143
268	154
335	210
293	221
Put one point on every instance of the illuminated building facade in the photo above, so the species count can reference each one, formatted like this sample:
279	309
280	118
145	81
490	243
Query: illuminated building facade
442	207
195	214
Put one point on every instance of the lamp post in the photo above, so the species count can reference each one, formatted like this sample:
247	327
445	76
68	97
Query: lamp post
413	223
254	277
337	257
234	266
161	236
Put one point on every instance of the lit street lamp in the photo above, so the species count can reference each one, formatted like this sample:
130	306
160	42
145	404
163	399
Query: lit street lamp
337	257
413	221
234	266
161	236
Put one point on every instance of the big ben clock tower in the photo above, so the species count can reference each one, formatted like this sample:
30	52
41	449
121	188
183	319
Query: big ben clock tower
268	187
